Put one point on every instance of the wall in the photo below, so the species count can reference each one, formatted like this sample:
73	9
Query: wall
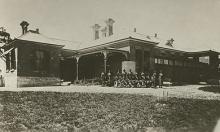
37	81
27	75
142	54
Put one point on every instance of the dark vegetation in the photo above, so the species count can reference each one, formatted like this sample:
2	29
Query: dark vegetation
214	88
51	111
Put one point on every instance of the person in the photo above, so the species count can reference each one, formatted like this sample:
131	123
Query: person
116	79
130	73
147	80
124	74
109	78
160	75
102	78
143	81
153	79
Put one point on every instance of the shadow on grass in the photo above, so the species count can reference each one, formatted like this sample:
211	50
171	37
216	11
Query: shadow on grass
214	89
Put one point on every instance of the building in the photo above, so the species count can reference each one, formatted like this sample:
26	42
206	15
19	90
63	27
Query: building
36	60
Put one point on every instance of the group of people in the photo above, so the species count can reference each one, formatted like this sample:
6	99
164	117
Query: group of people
132	79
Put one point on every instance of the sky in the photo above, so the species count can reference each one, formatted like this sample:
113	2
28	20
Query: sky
193	24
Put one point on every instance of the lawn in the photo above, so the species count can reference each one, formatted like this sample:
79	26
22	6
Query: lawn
52	111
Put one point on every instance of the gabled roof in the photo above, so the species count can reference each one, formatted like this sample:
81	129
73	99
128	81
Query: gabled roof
205	52
40	38
102	42
117	37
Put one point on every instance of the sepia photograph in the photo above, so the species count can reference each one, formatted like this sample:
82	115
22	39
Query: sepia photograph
110	66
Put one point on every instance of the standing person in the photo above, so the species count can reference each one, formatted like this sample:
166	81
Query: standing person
116	79
153	79
102	78
160	79
109	77
143	81
147	80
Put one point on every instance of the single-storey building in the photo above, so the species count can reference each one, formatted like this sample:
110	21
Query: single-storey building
34	59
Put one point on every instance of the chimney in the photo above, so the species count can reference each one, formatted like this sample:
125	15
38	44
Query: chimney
104	32
109	24
155	35
96	28
135	30
37	30
24	26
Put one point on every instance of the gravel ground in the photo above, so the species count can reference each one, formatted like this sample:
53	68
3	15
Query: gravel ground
187	91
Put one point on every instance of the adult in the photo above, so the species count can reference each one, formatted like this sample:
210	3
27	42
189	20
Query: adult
153	80
102	78
109	78
160	75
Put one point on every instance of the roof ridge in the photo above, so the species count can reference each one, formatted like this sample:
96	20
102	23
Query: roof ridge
73	41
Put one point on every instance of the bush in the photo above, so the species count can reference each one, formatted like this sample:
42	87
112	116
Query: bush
213	81
214	89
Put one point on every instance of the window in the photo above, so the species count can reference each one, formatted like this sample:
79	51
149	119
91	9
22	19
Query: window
178	63
160	61
155	60
10	59
8	64
166	62
13	61
190	58
204	59
41	61
171	62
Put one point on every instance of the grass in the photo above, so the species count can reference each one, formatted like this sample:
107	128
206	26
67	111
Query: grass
51	111
214	88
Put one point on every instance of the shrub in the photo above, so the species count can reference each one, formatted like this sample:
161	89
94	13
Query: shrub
213	81
214	89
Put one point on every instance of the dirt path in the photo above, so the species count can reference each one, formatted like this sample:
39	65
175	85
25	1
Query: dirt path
188	91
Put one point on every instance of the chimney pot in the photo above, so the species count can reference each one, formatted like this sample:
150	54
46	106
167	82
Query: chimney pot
104	32
37	30
24	26
109	24
96	28
135	30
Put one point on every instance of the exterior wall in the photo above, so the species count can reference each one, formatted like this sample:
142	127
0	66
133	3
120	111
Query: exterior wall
37	81
175	72
27	75
3	71
142	54
175	68
10	77
214	63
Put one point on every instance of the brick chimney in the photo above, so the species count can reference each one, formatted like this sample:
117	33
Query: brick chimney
104	32
96	28
37	30
135	30
109	25
24	26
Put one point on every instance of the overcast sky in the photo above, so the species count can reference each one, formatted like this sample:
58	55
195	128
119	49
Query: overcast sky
194	24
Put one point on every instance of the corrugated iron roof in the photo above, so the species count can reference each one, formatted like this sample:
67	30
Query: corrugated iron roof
38	37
